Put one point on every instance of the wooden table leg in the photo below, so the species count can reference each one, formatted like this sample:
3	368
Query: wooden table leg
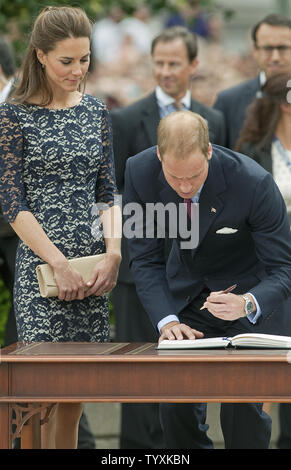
5	409
5	426
28	421
31	435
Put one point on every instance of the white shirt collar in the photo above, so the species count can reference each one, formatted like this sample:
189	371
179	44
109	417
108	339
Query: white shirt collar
196	197
164	99
262	78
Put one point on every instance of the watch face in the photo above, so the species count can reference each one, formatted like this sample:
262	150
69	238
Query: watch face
249	306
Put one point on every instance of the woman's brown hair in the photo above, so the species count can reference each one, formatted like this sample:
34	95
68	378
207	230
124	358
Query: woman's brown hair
52	25
264	113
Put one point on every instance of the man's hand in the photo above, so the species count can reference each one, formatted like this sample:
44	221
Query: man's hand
226	306
176	330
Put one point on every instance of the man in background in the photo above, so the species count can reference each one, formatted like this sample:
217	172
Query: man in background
272	52
174	57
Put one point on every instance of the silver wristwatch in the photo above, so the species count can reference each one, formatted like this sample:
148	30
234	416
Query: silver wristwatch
248	305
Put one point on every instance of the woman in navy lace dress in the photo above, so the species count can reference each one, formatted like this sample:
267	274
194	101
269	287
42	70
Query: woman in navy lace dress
56	162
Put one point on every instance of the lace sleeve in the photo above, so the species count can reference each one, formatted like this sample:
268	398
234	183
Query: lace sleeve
12	194
106	185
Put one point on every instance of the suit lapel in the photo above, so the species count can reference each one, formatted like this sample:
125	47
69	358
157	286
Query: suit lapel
151	119
195	106
210	203
169	198
265	158
249	92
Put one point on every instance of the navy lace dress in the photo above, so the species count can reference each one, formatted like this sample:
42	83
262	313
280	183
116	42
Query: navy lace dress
57	164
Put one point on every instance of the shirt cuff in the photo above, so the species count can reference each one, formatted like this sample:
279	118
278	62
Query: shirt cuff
253	317
166	320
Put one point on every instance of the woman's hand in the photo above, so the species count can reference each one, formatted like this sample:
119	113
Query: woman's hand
104	275
70	283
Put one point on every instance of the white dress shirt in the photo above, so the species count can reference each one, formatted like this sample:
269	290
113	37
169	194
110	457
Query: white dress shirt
166	103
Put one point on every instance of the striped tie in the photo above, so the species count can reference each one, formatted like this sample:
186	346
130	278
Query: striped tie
178	105
188	203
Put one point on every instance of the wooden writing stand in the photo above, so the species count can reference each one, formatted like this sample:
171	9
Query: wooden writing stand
35	376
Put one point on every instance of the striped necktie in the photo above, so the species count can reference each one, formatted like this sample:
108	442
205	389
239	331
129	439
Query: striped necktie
188	203
178	105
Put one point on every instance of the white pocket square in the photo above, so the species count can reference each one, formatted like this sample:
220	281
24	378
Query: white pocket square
226	230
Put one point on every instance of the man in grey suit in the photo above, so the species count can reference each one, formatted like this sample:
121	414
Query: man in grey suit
272	53
174	55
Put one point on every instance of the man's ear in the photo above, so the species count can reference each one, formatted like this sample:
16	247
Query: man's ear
254	52
158	154
194	65
209	152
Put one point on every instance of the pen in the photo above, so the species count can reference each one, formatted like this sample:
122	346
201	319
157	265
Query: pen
226	291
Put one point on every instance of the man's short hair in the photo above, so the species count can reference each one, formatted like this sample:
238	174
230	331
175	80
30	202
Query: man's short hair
176	32
271	20
182	133
6	59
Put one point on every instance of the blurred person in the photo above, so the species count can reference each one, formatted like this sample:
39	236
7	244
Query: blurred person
7	70
107	36
48	189
192	17
266	138
174	57
8	238
272	53
137	28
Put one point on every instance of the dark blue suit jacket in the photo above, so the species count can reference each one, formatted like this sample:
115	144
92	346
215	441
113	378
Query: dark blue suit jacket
233	104
257	256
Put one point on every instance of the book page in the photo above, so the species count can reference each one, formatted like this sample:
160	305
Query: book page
261	340
194	343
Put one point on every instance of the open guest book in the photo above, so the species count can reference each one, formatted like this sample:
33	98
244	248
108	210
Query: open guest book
245	340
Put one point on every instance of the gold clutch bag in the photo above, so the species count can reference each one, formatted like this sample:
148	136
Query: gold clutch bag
47	283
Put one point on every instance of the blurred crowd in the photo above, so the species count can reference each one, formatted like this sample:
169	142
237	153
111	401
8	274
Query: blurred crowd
121	62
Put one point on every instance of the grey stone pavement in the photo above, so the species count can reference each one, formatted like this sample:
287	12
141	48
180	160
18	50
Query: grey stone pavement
104	419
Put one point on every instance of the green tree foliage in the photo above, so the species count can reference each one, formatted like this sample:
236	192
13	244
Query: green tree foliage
4	309
17	16
24	11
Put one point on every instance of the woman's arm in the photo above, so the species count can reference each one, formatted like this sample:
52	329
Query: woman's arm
69	281
104	276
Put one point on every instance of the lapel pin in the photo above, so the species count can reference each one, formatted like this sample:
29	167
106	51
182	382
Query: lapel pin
213	210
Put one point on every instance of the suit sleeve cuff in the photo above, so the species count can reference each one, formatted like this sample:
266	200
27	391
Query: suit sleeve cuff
253	317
